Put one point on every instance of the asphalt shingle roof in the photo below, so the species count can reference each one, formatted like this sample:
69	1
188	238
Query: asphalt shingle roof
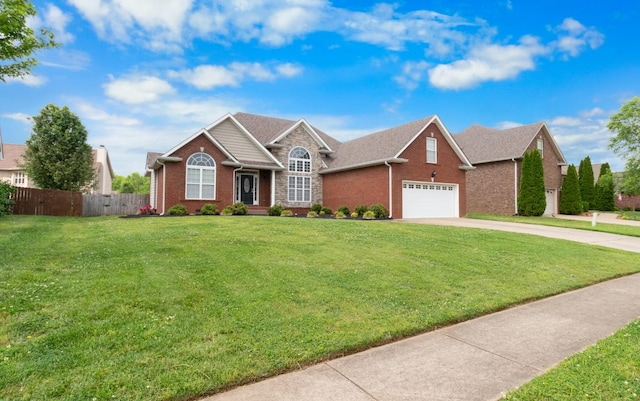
484	144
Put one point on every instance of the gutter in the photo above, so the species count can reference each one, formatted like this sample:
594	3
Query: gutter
386	163
515	185
365	164
164	183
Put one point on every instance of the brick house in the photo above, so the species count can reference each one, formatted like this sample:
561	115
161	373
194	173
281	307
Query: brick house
415	170
494	184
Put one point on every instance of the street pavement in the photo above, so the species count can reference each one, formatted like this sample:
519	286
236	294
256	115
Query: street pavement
480	359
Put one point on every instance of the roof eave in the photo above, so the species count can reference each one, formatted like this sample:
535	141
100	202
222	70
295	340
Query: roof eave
364	164
231	163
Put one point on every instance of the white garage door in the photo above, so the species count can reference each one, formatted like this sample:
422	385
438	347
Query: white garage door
428	199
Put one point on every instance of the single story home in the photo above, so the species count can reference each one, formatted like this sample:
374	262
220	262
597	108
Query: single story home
493	186
414	170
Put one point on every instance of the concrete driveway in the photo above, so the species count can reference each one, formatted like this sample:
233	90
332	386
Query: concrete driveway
622	242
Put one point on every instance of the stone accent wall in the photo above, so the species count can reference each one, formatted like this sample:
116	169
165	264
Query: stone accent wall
299	137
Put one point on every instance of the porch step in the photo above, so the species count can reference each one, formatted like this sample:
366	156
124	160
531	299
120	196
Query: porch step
258	211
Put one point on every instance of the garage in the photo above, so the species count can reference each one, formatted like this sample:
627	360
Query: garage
429	200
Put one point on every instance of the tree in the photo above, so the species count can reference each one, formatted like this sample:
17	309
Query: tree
532	198
57	155
626	143
17	41
571	202
604	192
586	180
604	170
134	183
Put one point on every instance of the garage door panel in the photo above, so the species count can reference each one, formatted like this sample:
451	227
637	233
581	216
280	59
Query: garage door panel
429	200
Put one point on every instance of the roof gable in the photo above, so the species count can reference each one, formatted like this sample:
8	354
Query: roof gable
270	130
12	157
388	145
484	144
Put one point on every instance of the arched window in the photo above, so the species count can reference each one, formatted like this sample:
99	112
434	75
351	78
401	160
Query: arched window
299	185
201	177
299	160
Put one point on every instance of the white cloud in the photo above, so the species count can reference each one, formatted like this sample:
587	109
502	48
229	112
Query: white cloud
56	20
25	118
412	73
211	76
574	38
137	89
564	121
507	125
488	62
156	23
93	113
72	60
29	80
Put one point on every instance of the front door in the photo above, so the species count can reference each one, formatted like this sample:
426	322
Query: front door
247	189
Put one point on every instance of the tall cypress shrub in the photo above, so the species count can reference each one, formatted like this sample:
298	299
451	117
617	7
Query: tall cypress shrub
604	193
586	180
570	202
532	198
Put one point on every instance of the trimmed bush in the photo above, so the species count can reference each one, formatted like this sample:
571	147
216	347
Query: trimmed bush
369	215
585	206
326	210
354	215
360	209
286	213
379	211
316	208
312	213
209	209
227	211
178	210
532	198
6	204
239	209
604	194
340	215
275	210
345	210
570	202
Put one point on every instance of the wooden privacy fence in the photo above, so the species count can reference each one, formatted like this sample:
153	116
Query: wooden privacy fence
47	202
113	204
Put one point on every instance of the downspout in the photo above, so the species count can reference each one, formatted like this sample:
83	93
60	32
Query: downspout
386	163
515	185
164	183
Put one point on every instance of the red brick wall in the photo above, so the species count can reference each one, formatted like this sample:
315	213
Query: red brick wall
370	185
176	177
491	188
630	201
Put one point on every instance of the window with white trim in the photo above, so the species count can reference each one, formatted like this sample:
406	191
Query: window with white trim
432	150
299	189
201	177
540	146
18	178
299	160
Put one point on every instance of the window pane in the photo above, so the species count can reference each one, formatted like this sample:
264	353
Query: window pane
208	176
193	191
208	191
193	176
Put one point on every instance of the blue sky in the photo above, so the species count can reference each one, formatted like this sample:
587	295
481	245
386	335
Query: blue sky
143	75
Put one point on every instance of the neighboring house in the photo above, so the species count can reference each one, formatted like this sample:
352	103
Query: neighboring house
12	172
497	156
415	170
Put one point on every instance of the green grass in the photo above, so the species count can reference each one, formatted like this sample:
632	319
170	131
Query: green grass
633	231
172	308
631	216
609	370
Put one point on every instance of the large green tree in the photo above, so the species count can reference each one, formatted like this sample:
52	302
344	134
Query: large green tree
625	124
134	183
570	202
586	180
57	155
18	42
532	197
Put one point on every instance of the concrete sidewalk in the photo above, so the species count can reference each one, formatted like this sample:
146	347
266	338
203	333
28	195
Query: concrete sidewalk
476	360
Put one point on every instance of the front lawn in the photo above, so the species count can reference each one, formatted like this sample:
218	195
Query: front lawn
609	370
633	231
172	308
